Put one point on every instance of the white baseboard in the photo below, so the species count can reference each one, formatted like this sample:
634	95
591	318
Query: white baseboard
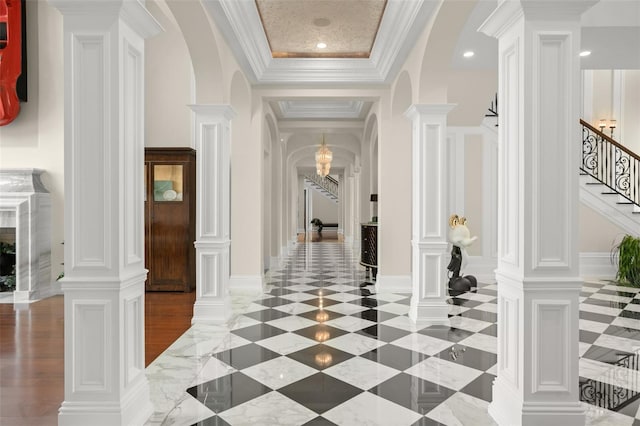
597	265
245	284
393	284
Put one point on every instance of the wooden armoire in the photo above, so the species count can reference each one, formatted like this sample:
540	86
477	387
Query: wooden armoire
170	218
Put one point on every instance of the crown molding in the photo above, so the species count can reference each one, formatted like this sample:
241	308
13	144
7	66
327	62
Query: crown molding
240	24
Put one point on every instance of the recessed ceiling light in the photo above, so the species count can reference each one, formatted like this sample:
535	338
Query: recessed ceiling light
321	45
585	53
468	54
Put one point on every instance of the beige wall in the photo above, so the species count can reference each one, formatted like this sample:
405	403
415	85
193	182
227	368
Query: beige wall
36	137
168	81
615	94
323	208
630	135
597	234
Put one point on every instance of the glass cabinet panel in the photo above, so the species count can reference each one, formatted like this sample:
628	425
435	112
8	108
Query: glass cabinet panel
167	182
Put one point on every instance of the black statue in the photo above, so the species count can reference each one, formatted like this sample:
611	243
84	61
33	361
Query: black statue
317	222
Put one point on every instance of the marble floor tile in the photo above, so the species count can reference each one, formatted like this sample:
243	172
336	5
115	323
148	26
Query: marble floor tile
279	372
270	409
445	373
371	410
462	410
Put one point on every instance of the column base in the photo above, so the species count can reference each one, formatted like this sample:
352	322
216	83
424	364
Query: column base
509	410
212	311
134	409
429	312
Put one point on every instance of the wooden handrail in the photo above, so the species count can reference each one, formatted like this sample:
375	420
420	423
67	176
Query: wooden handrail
608	139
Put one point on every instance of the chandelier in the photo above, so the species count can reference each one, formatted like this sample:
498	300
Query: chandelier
323	159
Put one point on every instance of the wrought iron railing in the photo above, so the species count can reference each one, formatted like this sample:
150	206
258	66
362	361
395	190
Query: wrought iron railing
328	183
611	163
607	395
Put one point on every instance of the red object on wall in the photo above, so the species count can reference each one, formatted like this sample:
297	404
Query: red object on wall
10	58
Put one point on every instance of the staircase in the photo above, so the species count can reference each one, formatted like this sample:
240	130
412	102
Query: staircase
610	179
327	186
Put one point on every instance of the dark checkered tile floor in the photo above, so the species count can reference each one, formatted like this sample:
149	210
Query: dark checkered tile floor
320	348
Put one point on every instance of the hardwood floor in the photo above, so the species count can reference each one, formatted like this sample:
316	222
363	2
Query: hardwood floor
32	352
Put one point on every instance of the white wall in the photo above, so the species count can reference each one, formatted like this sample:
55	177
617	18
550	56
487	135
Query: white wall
36	137
322	208
614	94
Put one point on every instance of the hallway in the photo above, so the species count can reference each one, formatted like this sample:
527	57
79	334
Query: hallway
319	349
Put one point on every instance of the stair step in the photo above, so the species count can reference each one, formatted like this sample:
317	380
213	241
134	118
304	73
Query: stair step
594	183
624	202
609	193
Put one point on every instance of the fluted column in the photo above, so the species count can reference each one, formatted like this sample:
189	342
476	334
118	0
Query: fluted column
104	277
430	216
538	276
213	165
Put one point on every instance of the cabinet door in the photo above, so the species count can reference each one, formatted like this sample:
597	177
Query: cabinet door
168	237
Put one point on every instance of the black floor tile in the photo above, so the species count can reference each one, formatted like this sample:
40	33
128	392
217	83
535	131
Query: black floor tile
446	333
281	291
368	302
320	333
480	315
374	315
605	303
492	330
228	391
588	336
212	421
481	387
321	315
258	332
425	421
273	301
246	356
630	314
383	332
412	392
321	292
395	357
617	293
607	355
591	316
320	356
320	392
321	301
468	356
319	421
626	332
267	315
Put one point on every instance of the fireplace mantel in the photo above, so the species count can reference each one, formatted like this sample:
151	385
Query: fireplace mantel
25	204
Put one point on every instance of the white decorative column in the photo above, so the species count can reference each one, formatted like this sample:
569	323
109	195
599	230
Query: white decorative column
430	216
104	277
537	275
356	209
213	168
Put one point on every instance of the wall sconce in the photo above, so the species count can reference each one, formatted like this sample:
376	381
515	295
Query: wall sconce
612	125
602	124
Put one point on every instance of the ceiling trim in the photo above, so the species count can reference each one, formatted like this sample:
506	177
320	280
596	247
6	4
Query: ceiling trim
348	109
240	24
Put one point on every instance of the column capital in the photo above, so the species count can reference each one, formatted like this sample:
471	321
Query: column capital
215	112
133	12
417	111
509	12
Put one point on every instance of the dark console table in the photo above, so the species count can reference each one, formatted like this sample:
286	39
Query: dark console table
369	248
